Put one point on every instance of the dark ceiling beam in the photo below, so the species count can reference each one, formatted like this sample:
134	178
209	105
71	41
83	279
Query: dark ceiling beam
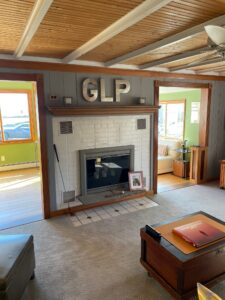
197	64
173	58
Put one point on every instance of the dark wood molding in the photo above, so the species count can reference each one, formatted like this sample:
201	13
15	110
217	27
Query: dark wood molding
205	116
75	209
19	64
183	84
42	124
155	141
102	110
43	145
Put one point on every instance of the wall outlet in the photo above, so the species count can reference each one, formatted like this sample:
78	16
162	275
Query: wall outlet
53	98
2	157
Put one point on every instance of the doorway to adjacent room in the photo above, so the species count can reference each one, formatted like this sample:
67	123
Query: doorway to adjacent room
20	174
181	128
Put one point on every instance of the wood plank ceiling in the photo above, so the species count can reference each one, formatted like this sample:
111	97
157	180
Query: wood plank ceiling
13	19
69	24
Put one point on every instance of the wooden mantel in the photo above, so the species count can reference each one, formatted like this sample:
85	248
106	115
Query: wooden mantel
102	110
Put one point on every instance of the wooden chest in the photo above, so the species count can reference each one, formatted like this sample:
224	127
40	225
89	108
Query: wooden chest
179	272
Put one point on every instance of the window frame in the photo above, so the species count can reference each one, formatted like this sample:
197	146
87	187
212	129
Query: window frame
179	101
31	117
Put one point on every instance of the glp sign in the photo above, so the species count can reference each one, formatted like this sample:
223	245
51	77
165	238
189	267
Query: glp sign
91	89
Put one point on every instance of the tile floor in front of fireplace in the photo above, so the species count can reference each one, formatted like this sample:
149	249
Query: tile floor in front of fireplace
110	211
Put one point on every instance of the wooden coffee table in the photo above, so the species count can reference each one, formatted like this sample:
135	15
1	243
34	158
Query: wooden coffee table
179	272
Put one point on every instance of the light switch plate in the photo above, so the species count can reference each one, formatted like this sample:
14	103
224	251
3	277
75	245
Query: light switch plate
67	100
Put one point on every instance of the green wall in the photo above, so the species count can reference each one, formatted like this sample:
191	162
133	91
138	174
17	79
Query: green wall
191	131
20	152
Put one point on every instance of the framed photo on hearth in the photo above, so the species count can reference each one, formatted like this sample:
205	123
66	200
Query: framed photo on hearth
136	180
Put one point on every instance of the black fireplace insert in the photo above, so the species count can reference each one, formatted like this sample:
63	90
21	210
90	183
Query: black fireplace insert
103	169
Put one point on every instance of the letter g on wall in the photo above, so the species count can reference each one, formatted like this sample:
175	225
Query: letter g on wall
90	94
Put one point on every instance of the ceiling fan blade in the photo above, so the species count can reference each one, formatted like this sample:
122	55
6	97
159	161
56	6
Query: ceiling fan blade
196	62
213	52
216	34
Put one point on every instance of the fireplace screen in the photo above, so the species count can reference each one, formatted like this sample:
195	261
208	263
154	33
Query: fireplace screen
106	171
105	168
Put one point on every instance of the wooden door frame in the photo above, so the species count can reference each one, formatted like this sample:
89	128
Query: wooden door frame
206	91
38	78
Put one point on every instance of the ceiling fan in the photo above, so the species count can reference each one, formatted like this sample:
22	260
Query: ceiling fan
216	38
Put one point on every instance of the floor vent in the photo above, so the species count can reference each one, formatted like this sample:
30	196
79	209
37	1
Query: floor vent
66	127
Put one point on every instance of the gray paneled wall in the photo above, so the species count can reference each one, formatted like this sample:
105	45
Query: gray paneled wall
216	129
69	84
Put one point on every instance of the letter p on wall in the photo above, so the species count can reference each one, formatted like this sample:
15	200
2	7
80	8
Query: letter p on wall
122	87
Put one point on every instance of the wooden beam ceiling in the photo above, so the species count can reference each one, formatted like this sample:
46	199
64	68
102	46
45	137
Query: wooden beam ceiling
70	24
181	36
37	15
137	14
143	34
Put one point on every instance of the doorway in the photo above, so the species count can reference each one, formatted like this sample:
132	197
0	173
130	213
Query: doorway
180	128
23	186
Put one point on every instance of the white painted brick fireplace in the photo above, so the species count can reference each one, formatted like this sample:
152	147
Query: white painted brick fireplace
98	132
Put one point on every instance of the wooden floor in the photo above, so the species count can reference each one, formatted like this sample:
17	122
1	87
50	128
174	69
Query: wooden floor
169	182
20	197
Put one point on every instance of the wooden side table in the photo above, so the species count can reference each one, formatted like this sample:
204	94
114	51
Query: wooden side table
181	168
222	174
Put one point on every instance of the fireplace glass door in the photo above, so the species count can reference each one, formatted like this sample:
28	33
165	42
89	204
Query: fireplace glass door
107	171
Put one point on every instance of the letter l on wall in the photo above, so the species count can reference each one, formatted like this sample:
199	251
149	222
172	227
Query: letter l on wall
103	96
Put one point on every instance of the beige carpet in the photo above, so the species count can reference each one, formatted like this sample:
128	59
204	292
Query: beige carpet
100	261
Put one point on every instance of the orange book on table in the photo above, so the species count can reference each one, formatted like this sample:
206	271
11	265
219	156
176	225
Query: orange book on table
199	233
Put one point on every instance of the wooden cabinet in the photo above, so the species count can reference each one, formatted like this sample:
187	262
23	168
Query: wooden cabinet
181	168
222	174
198	167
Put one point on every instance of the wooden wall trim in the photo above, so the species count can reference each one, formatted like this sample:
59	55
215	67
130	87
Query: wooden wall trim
43	145
195	85
155	139
19	64
102	110
205	117
75	209
42	125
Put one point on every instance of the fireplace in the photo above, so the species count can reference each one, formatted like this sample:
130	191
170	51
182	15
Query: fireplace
104	169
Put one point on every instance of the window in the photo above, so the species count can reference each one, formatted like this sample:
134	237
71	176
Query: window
15	116
171	119
195	112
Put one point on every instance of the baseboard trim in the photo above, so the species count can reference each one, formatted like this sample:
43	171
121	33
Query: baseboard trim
19	166
212	179
75	209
